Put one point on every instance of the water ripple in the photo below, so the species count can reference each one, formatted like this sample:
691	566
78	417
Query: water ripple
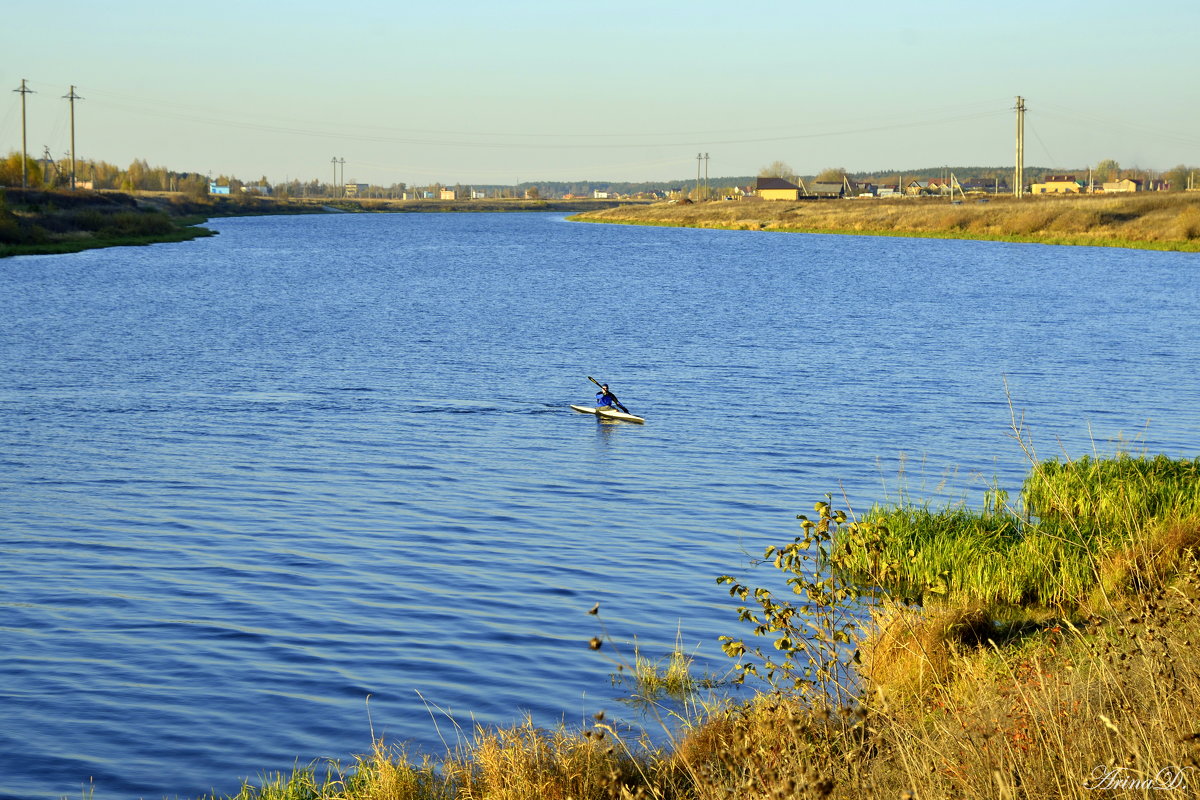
318	475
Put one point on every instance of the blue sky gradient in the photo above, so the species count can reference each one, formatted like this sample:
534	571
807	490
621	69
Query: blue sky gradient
501	92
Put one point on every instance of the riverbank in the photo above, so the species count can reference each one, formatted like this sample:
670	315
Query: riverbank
1080	677
1153	221
38	222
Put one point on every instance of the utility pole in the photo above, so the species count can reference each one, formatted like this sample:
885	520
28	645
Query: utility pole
706	176
47	165
342	192
698	157
1019	172
333	183
72	97
24	90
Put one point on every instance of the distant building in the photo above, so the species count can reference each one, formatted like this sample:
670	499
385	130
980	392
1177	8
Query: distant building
984	186
356	189
448	194
478	194
828	189
776	189
1058	184
1123	185
598	194
214	188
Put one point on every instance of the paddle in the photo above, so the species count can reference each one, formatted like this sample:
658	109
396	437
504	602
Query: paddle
616	402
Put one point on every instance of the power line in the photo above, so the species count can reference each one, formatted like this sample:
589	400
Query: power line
391	136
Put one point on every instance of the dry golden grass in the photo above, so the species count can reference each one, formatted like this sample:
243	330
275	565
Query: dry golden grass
1169	221
1051	711
1104	707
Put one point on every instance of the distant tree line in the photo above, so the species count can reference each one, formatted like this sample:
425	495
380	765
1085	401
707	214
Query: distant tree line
140	176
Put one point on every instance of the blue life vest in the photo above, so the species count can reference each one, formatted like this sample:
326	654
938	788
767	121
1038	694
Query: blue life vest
604	400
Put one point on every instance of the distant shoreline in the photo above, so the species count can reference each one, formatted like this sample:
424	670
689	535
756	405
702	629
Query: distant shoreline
1149	221
42	222
36	222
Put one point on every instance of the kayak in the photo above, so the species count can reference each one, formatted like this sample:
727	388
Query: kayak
614	415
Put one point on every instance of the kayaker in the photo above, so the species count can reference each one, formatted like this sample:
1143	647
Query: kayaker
605	398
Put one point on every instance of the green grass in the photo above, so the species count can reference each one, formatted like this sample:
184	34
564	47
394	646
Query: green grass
1113	494
966	555
77	244
1074	515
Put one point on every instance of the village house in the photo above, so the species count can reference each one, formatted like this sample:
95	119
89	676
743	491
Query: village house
984	186
1123	185
776	189
828	189
1058	184
448	194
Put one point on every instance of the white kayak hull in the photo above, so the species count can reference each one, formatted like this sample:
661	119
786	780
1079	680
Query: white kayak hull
614	415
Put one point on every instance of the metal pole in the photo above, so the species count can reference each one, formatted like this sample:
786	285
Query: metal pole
24	147
333	183
1019	171
72	97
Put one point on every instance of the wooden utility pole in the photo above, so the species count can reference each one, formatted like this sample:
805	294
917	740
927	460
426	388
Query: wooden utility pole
72	97
24	90
699	157
1019	172
706	176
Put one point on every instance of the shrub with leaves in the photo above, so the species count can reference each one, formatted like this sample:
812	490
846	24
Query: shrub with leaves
812	633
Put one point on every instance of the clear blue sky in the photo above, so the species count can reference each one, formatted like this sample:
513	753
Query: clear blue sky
512	90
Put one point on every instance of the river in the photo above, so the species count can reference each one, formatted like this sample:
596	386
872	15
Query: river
266	495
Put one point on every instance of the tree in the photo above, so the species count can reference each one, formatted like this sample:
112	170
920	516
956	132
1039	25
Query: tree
1177	178
831	175
1106	170
778	169
10	170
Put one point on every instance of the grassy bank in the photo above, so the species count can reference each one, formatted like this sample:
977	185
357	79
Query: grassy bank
39	222
1153	221
36	222
1033	650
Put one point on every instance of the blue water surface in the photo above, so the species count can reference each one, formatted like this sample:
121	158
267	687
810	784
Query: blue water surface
251	481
